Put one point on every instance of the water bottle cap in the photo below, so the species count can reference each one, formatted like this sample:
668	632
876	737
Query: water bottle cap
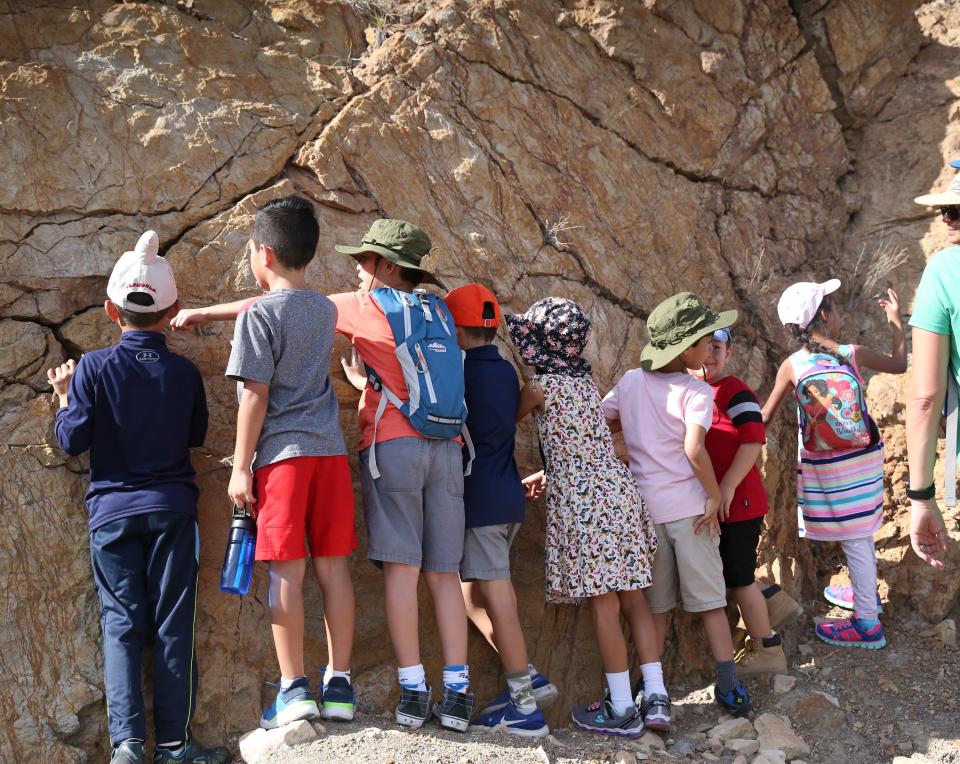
243	519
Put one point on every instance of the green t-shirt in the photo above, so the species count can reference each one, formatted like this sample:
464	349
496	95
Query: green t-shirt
936	305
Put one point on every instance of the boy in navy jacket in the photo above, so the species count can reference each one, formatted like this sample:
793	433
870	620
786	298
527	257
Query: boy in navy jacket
494	503
139	409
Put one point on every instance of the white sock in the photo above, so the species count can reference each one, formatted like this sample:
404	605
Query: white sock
175	748
331	673
457	677
620	694
653	679
532	669
412	677
285	683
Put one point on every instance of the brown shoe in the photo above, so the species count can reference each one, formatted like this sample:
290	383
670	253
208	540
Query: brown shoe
755	659
782	609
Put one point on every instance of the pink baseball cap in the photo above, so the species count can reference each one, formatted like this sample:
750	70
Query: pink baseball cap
144	273
800	302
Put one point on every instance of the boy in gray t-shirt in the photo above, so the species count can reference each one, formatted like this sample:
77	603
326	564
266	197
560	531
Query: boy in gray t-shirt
290	464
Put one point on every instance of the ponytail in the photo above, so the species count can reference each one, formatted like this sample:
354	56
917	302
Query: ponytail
803	336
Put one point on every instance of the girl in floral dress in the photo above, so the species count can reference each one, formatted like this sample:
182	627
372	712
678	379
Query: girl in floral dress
600	541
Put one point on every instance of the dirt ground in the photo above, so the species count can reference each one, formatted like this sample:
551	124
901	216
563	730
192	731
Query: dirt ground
902	701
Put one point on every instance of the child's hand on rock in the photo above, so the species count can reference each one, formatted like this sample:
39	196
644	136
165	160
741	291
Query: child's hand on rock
188	317
60	379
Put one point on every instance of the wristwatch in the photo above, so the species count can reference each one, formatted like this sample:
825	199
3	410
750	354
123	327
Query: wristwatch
921	493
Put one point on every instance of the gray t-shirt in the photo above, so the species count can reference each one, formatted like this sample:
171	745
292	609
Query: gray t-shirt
285	340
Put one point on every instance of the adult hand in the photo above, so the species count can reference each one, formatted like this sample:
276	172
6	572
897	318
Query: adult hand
188	317
928	534
536	485
891	306
60	379
240	489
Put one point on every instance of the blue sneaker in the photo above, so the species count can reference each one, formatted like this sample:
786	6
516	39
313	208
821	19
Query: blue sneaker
510	719
338	700
129	752
194	753
292	704
736	701
600	717
544	693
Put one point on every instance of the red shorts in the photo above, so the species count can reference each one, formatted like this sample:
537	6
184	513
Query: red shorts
304	508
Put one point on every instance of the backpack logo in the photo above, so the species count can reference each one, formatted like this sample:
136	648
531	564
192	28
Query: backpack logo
148	356
833	412
437	347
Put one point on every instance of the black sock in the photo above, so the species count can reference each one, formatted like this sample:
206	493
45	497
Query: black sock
770	590
772	641
726	676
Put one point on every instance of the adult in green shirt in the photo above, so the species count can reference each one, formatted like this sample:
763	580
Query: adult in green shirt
936	348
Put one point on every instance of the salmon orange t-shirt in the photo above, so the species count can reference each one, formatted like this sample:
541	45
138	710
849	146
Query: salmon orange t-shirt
361	320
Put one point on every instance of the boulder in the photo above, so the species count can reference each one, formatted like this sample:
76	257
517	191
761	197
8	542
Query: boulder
775	732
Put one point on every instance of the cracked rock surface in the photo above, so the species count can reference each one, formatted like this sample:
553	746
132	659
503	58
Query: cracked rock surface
613	153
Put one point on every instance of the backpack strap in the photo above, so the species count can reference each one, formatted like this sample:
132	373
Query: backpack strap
385	397
950	451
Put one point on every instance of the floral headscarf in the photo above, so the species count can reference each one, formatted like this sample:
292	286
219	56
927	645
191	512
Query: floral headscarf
551	336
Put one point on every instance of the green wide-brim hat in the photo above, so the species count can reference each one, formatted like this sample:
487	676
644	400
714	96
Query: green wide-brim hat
676	324
399	242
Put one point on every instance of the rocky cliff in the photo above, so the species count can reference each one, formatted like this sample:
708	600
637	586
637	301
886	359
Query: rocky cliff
611	152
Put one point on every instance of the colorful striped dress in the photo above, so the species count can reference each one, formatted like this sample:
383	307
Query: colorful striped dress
839	492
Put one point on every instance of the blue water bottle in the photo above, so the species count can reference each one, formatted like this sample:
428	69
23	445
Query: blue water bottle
238	559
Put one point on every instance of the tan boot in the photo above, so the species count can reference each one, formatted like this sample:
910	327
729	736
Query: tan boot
782	609
755	659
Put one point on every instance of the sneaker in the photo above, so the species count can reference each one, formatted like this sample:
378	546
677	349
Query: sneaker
782	609
655	711
842	596
129	752
510	719
292	704
755	659
414	708
339	702
599	717
454	710
736	701
850	632
194	754
544	693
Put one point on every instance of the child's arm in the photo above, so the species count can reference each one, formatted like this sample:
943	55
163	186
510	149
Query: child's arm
531	397
746	456
783	384
253	410
896	362
74	387
696	452
188	317
200	417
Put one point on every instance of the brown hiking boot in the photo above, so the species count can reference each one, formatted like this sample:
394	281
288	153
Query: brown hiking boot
755	659
782	609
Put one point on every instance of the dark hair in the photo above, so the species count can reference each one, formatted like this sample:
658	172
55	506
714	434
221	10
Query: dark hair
803	336
485	333
289	227
142	320
413	276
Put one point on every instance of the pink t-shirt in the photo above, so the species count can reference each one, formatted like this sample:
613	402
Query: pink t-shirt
654	410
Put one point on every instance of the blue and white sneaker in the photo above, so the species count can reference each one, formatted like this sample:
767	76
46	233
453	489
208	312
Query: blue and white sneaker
511	720
735	702
544	693
339	702
292	704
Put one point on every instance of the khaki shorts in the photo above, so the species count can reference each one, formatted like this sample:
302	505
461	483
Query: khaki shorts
694	559
486	552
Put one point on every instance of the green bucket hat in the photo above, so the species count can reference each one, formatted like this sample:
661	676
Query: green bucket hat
676	324
399	242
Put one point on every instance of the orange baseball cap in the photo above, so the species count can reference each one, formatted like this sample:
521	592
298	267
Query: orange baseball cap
474	305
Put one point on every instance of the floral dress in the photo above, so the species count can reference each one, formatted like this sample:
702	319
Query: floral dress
600	538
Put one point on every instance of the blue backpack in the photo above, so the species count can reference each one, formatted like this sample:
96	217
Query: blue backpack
432	364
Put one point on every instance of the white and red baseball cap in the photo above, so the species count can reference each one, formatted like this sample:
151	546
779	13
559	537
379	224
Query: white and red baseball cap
800	302
144	273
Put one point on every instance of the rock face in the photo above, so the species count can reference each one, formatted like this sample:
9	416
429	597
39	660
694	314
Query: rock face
612	153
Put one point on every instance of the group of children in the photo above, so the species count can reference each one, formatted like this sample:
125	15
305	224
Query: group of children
683	517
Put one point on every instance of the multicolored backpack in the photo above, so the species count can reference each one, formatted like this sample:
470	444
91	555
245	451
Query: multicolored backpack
832	407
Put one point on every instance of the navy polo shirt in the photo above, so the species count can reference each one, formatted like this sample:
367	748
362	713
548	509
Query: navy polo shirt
139	409
492	493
